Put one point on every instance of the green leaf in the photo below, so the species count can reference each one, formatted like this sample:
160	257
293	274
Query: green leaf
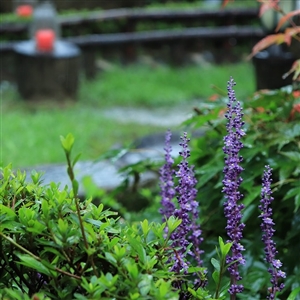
251	196
195	270
134	296
285	171
7	172
52	250
75	160
45	208
36	227
145	227
215	276
15	295
145	284
113	242
293	155
294	293
292	192
35	177
26	215
67	142
4	210
132	269
172	224
248	212
110	258
221	243
215	263
224	248
209	170
138	248
119	251
113	154
297	202
75	186
293	132
63	226
3	187
31	262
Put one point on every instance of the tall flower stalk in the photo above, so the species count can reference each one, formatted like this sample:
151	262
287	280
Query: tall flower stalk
188	232
231	184
166	181
268	232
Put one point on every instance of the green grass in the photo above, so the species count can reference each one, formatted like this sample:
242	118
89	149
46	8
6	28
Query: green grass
31	138
164	86
30	132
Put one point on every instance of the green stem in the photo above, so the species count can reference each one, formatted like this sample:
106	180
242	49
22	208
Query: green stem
220	279
36	257
72	177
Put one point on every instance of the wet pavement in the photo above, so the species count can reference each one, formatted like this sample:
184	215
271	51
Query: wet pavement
164	117
105	174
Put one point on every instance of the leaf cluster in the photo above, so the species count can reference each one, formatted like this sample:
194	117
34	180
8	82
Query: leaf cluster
43	252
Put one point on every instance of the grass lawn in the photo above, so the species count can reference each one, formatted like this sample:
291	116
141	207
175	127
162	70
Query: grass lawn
30	132
164	86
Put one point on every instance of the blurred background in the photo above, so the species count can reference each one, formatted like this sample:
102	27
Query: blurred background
110	72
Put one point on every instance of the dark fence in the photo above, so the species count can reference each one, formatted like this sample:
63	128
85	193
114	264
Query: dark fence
127	42
229	16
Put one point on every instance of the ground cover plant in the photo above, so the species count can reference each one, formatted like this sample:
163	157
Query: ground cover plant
57	247
134	86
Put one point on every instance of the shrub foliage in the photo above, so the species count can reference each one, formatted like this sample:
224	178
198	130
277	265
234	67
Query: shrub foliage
54	246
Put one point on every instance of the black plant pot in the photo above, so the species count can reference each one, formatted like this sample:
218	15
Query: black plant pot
270	65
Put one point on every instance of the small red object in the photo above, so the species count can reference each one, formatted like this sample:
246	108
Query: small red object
25	10
45	39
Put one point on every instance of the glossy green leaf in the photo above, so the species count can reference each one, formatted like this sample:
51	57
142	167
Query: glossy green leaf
293	155
31	262
75	186
145	227
215	276
67	142
215	263
75	160
145	284
293	295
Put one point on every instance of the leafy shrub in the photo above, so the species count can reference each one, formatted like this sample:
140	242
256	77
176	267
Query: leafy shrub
55	247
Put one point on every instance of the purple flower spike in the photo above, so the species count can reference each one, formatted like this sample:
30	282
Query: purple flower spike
268	231
188	231
166	181
231	184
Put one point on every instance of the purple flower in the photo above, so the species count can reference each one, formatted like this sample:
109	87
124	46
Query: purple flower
166	181
268	231
188	232
231	184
